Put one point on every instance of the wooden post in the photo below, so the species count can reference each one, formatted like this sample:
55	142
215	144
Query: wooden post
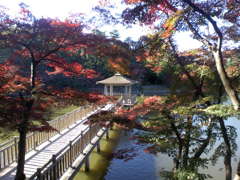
35	141
87	168
16	147
90	133
81	143
74	117
54	166
98	147
107	134
39	175
48	135
70	150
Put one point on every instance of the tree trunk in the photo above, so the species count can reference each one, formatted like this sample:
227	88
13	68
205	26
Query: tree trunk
23	127
21	152
237	176
187	142
180	147
204	145
217	53
33	74
228	156
179	156
225	80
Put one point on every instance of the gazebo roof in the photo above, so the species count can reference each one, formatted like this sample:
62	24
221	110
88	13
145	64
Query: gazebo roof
117	80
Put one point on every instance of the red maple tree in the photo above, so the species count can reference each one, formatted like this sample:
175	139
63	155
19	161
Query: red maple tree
30	45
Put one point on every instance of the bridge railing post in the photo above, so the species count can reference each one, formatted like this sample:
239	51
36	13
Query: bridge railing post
39	175
90	133
87	165
107	133
75	116
54	167
98	147
35	140
16	147
70	150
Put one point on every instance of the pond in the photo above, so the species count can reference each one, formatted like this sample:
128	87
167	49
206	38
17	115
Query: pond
145	166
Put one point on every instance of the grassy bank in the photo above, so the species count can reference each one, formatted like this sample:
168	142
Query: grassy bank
6	134
61	111
100	161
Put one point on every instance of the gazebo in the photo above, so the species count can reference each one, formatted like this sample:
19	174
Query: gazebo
117	80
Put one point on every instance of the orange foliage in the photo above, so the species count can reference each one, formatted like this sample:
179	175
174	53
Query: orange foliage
70	69
71	94
170	23
66	23
149	104
233	71
132	1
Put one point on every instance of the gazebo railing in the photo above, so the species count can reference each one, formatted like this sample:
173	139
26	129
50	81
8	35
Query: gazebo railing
129	100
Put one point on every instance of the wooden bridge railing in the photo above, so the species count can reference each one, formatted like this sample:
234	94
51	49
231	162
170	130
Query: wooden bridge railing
9	150
61	161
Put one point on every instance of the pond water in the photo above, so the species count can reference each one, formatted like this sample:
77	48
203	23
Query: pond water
145	166
142	166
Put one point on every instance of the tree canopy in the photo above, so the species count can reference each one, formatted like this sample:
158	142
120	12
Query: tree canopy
185	124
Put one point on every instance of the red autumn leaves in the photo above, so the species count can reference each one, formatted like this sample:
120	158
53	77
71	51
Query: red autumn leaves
70	69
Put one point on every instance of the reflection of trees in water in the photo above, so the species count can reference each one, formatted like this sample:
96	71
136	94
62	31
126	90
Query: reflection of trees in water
193	142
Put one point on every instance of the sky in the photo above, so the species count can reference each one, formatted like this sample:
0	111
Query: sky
63	8
51	8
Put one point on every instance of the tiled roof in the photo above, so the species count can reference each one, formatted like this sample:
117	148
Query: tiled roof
117	79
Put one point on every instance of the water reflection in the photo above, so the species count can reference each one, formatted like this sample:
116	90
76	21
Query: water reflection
217	171
140	167
147	166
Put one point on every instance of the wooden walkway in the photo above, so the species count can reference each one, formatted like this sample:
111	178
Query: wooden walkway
43	153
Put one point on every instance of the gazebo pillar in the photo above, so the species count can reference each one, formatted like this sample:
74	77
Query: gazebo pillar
105	90
111	90
130	91
126	90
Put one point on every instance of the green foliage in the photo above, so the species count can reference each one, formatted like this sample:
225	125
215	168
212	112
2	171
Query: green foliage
202	71
220	150
221	110
151	77
6	134
59	111
185	110
140	99
190	175
183	174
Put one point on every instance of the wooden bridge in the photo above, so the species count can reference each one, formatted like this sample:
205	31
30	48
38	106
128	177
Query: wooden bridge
56	155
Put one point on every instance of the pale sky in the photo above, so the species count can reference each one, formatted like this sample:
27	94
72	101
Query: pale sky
51	8
62	8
